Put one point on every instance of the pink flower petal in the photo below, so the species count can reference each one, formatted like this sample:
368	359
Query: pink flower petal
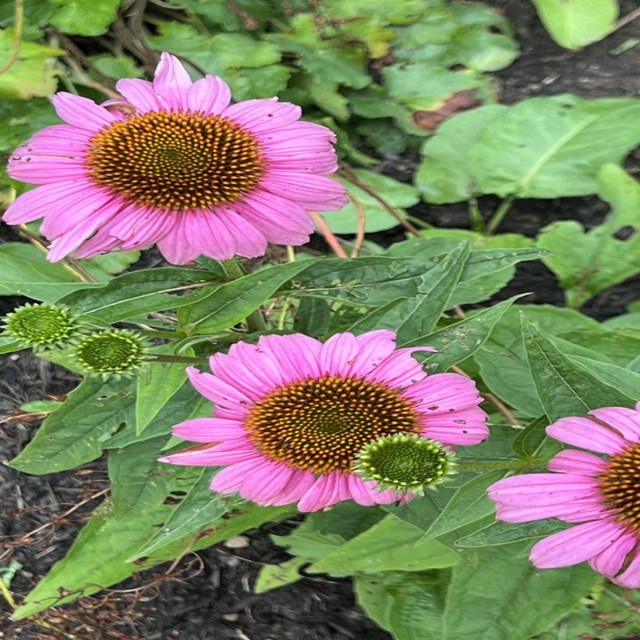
315	192
141	94
610	561
338	353
460	428
209	95
176	247
299	483
263	115
582	510
172	82
218	391
400	369
574	545
543	489
59	138
45	169
577	462
373	348
265	481
624	421
219	454
445	392
630	577
325	492
209	430
297	356
586	434
82	112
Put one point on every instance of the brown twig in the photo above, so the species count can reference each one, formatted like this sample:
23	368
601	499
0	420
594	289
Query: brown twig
362	219
17	37
346	171
625	20
329	236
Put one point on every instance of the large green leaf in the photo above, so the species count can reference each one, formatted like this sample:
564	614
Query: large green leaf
409	605
551	147
445	173
589	262
76	432
26	272
99	556
577	23
419	314
139	293
496	594
388	545
565	387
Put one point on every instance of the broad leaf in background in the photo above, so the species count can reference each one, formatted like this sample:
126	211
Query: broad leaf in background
493	590
587	262
377	218
84	17
553	147
445	173
565	387
32	74
577	23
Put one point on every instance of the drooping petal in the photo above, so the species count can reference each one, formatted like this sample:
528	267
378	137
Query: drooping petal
586	434
574	545
325	492
630	577
609	561
622	420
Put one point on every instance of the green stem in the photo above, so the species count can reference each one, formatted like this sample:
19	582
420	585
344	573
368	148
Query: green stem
233	269
167	335
497	465
475	216
499	215
181	359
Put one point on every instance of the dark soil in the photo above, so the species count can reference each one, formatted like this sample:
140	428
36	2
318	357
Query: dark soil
209	596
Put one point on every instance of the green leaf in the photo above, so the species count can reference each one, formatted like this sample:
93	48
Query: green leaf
274	576
139	293
492	590
98	557
84	17
232	302
445	173
457	342
137	478
9	345
566	388
551	147
377	218
77	431
32	74
199	509
26	272
409	605
589	262
157	384
499	533
387	546
468	504
576	23
418	315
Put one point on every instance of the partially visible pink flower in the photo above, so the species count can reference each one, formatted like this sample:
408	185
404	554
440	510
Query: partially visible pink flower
600	494
175	164
292	413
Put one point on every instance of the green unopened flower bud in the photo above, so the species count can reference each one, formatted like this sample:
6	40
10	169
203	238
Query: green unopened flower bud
40	325
404	462
115	352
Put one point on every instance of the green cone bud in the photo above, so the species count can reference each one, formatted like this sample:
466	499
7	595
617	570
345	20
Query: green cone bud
114	352
404	462
40	325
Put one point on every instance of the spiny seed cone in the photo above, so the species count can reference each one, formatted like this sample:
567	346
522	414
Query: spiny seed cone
40	325
115	352
404	462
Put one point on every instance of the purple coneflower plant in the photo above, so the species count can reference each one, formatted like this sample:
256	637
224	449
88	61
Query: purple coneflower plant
173	163
291	415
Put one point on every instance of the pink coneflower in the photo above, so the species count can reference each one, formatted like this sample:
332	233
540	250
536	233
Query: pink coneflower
174	164
292	413
601	494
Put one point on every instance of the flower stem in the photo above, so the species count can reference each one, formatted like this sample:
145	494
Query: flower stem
499	215
497	465
233	269
182	359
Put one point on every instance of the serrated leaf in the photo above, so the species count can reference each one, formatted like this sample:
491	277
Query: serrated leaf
566	388
388	545
77	431
491	592
274	576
